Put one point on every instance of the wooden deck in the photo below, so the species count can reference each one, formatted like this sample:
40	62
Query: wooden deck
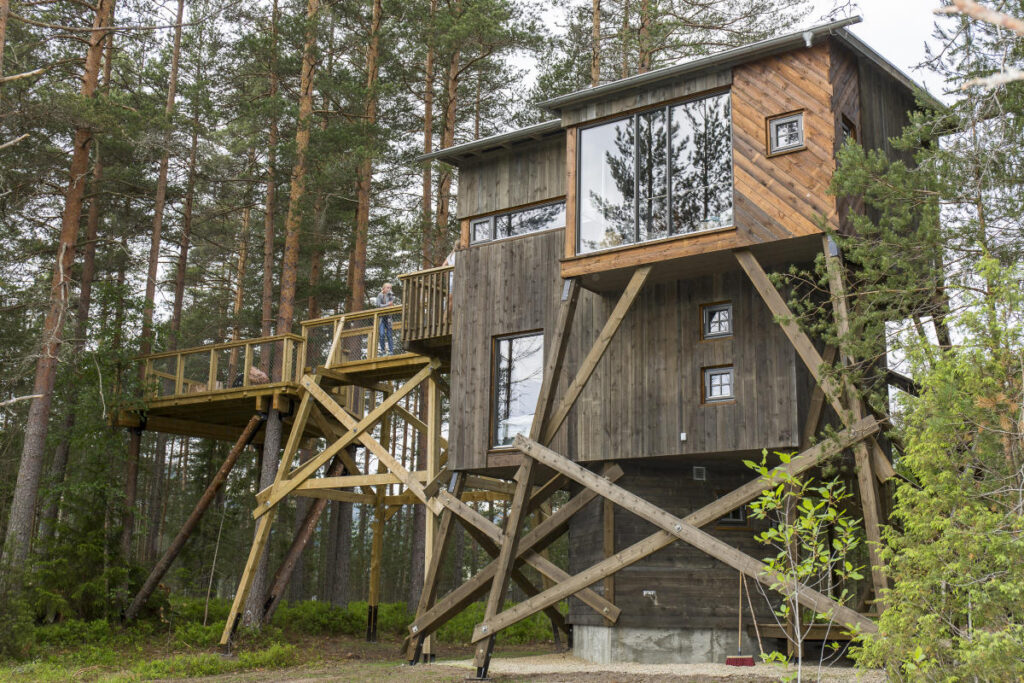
212	391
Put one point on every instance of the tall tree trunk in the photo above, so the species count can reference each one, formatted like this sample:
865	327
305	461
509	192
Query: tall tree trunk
286	306
146	346
341	531
624	39
364	173
644	49
595	44
60	458
5	9
419	524
21	521
444	189
186	235
271	200
428	247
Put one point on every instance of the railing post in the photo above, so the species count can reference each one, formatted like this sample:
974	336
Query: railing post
211	382
246	364
371	351
147	382
286	360
179	374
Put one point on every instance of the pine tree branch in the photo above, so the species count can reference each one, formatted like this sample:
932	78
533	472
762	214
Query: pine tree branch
975	11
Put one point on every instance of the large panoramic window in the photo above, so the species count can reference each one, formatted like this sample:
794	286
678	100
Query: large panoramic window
655	174
518	372
521	222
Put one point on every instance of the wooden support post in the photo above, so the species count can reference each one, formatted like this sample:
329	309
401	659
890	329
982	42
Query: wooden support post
636	283
433	570
376	550
192	522
506	557
866	483
608	546
433	467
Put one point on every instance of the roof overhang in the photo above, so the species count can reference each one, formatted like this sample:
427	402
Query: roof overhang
457	153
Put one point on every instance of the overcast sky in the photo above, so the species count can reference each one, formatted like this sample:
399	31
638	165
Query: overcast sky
898	29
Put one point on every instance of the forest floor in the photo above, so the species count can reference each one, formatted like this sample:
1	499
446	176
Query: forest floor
346	658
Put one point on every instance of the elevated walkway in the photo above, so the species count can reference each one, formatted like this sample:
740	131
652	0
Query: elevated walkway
212	391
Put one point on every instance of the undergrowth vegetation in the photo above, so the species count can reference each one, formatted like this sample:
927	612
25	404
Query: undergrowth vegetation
176	643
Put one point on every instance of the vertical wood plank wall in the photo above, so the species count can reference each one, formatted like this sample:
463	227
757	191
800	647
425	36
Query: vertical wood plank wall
648	387
525	174
691	589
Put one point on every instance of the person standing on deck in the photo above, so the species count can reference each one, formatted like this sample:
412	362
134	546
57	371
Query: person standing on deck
384	333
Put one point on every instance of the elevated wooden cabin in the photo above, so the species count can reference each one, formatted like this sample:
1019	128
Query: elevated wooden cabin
650	193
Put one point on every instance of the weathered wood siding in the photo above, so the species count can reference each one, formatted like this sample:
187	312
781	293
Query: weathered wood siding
775	197
691	589
648	386
523	174
845	104
644	98
884	110
501	288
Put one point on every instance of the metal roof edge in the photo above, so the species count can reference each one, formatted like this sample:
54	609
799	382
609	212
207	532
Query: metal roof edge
720	59
859	46
536	131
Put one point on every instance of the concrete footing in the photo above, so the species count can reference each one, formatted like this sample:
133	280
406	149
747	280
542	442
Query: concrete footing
608	645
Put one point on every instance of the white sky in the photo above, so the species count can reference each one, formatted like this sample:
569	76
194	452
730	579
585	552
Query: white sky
898	30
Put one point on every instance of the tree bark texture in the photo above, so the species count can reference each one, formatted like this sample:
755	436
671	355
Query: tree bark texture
253	608
364	174
428	247
271	199
444	188
209	495
21	521
595	44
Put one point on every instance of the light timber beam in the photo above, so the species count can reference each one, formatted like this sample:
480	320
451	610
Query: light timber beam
817	403
709	513
556	354
357	430
636	283
538	538
340	496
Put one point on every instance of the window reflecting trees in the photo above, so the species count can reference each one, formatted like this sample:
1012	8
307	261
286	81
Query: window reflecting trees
658	173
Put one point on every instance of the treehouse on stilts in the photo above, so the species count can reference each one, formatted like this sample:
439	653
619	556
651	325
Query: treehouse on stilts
610	330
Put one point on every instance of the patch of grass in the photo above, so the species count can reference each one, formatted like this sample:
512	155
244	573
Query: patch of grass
192	666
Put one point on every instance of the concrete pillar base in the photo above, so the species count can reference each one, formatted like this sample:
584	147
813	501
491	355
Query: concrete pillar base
608	645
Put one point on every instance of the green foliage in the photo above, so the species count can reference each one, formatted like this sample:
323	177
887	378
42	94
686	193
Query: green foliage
194	666
535	629
814	539
17	634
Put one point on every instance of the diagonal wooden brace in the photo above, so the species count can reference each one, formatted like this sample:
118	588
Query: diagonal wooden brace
538	538
680	529
357	430
707	514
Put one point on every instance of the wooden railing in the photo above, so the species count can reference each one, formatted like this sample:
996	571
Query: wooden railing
428	303
231	365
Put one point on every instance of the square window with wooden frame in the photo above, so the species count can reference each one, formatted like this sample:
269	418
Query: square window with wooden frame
716	320
786	133
733	518
718	384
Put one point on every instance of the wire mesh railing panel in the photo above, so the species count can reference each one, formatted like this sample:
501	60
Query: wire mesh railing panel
318	344
195	376
389	334
355	340
162	374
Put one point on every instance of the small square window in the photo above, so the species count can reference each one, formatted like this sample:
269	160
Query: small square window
717	320
737	517
718	384
480	230
786	133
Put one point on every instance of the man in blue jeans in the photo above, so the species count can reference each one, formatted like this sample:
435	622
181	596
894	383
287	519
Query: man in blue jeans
384	332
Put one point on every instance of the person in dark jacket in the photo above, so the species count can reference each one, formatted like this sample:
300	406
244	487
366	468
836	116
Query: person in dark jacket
385	335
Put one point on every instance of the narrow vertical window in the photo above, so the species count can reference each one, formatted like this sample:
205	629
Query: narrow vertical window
717	320
718	384
518	372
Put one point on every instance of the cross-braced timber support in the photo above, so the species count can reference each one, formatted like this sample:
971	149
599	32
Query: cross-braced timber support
858	434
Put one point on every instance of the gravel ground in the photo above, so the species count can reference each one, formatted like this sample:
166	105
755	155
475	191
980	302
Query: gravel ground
565	667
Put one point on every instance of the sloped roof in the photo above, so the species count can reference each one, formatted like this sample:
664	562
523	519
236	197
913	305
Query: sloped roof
720	60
